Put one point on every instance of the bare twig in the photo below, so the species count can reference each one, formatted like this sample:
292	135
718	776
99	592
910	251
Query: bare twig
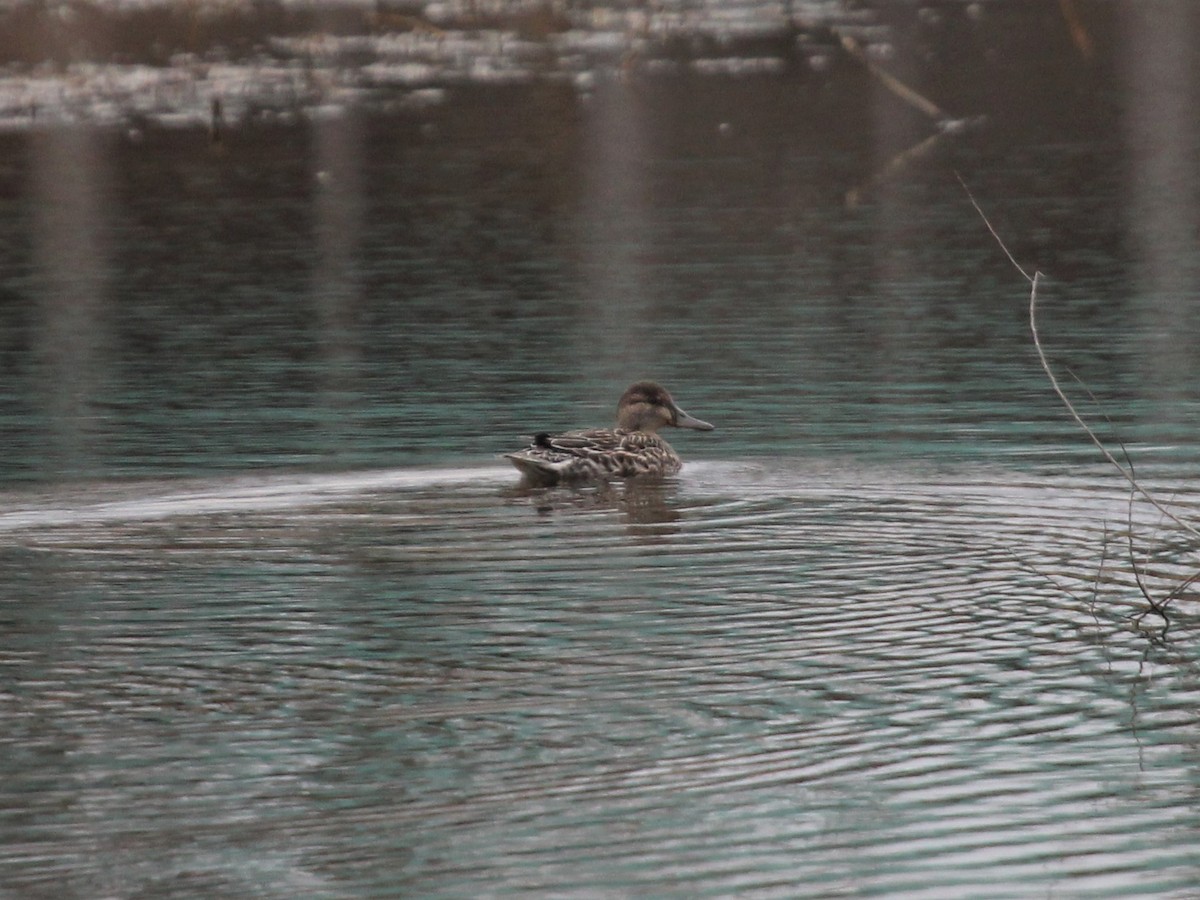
1137	573
1099	575
1037	343
897	163
947	126
1177	592
891	82
1079	32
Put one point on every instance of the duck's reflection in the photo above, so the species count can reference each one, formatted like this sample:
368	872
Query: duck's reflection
642	502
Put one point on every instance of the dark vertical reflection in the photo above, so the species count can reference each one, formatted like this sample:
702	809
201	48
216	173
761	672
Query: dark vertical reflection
615	235
71	278
335	283
1162	131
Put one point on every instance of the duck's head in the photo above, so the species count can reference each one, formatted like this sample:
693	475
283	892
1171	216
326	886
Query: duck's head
647	406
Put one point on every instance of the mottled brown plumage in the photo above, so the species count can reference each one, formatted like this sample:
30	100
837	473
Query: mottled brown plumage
631	449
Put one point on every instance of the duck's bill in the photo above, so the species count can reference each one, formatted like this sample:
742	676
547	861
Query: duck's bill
683	420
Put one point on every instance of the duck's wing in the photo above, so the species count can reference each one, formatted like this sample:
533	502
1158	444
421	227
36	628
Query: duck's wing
569	454
594	453
583	443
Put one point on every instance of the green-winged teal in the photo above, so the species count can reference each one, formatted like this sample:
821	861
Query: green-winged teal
631	449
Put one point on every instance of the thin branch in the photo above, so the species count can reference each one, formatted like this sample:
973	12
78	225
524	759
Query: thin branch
1178	590
891	82
1099	575
995	235
1079	32
1133	563
1037	343
897	163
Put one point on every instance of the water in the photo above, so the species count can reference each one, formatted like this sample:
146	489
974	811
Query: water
277	620
804	677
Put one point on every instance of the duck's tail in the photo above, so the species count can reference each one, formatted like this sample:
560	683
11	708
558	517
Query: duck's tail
537	469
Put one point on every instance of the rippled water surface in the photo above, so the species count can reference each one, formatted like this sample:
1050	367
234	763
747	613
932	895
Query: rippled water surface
277	620
783	676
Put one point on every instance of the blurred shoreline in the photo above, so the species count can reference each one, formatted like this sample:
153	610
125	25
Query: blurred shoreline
186	64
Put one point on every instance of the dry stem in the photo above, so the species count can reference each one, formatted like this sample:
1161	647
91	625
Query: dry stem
1037	343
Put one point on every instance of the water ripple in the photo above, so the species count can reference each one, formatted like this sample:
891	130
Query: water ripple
772	678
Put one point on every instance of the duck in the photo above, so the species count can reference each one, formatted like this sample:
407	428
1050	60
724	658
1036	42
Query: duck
631	449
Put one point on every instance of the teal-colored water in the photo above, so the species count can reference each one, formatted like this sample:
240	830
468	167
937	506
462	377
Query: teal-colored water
277	620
